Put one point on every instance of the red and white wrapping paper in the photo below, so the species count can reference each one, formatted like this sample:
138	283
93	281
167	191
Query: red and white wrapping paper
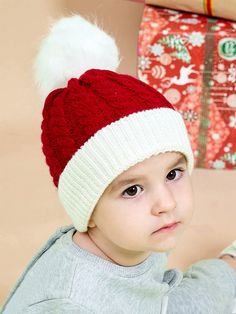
219	8
191	59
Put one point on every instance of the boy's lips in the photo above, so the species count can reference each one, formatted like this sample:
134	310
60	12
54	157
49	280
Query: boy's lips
168	227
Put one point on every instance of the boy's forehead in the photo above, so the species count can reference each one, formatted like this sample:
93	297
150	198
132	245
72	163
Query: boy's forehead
163	160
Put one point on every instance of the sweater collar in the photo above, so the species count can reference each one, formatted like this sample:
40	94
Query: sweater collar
155	262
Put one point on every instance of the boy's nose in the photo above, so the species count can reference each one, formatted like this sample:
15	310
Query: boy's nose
163	201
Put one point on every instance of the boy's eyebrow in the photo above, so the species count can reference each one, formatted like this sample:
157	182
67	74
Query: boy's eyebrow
118	184
180	160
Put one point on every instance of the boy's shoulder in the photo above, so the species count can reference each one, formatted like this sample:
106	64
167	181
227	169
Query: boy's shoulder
53	254
50	272
48	254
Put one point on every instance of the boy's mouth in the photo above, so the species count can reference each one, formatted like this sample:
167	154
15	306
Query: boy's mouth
167	228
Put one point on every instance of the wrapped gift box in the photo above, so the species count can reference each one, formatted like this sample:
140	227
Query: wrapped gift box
191	60
208	7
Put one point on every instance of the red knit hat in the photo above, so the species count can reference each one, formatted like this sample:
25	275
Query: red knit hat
101	123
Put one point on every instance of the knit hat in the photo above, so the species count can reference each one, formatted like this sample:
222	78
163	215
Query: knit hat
97	123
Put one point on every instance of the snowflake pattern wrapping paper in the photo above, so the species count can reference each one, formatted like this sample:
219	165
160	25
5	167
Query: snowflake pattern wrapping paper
191	60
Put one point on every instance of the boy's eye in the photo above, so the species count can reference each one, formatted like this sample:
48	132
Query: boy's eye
132	191
174	174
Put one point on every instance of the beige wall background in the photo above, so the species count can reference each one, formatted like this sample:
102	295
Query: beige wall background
30	210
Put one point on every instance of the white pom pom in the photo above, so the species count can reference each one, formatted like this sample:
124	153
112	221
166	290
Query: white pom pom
72	47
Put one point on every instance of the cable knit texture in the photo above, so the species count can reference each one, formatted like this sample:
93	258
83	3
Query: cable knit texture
73	114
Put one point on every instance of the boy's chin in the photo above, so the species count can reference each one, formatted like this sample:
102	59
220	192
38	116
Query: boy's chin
166	246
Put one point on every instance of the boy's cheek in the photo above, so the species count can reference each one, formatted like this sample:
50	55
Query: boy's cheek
184	195
188	195
186	206
189	210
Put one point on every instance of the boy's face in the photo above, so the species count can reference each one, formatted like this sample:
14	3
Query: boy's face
129	212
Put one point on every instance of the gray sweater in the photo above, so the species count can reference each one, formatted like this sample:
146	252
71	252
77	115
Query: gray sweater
63	278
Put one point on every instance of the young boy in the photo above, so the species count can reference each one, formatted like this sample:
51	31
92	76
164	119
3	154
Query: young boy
120	156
